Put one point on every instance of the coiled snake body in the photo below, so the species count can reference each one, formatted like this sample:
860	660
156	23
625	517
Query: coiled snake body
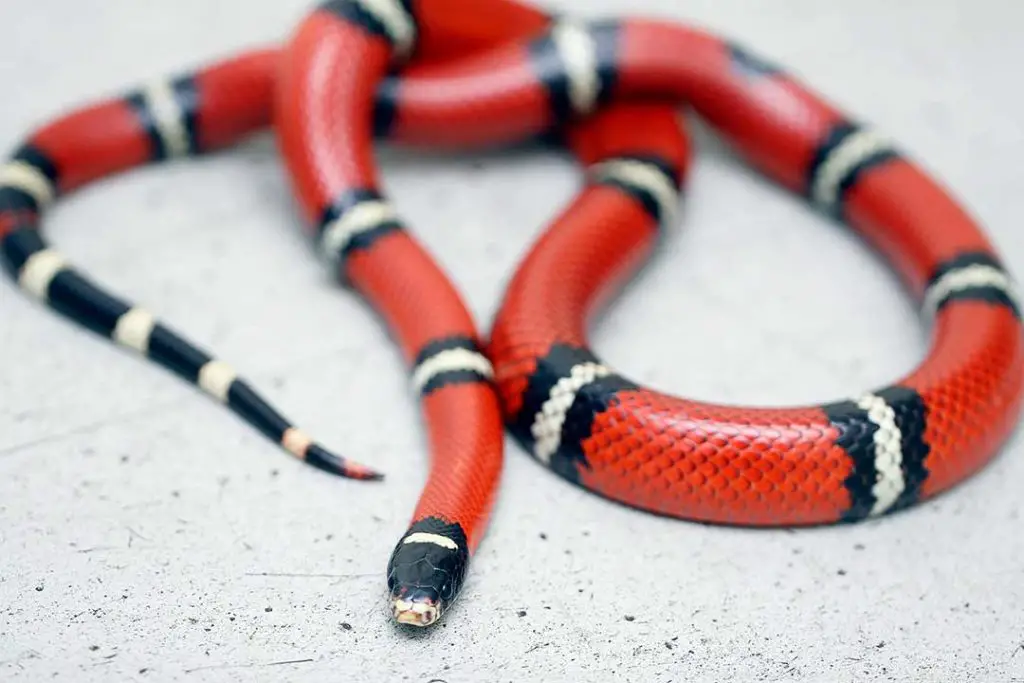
448	73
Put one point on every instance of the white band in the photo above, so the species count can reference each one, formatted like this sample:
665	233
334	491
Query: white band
215	378
888	451
578	51
396	21
358	219
969	277
168	118
27	178
450	360
851	152
547	423
644	177
134	328
38	272
435	539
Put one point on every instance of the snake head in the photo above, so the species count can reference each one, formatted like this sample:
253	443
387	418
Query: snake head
426	571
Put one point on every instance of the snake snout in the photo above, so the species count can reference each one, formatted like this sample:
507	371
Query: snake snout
421	611
417	603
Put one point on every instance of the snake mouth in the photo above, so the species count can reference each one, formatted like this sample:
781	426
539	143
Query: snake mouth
420	612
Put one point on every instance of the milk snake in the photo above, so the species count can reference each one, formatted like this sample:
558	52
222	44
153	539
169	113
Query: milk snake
444	73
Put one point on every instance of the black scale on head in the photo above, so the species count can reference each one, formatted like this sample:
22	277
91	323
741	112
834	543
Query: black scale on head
428	570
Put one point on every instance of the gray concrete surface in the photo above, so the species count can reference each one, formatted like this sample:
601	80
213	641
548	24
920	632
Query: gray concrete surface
148	535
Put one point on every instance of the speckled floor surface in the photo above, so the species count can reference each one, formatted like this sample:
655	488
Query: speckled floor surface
148	535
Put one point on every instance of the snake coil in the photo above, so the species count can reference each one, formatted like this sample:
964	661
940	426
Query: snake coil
455	74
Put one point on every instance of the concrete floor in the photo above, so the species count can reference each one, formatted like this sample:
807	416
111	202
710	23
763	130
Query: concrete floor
148	535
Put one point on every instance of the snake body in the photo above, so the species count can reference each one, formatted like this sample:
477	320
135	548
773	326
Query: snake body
447	73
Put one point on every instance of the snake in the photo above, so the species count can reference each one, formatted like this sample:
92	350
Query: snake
616	94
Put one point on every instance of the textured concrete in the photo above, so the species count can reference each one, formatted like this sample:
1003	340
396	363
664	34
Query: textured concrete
148	535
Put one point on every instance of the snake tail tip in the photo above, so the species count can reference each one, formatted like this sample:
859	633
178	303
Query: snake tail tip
323	459
370	475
